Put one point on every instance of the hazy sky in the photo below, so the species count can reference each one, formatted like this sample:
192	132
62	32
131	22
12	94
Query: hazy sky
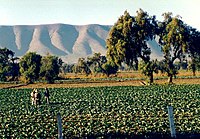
81	12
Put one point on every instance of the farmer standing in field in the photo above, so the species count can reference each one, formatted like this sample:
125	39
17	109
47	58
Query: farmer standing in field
37	98
46	95
33	96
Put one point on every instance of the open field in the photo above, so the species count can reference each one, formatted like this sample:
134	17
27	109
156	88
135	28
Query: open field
102	108
121	111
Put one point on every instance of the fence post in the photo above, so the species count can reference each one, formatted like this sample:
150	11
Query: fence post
171	121
59	126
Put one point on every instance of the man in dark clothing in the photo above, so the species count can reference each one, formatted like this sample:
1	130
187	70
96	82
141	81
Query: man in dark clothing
46	95
37	98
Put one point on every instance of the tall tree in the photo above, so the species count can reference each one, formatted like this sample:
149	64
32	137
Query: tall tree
96	63
120	46
194	48
110	68
50	67
128	38
14	70
145	29
8	65
127	41
148	68
67	68
82	66
30	67
174	42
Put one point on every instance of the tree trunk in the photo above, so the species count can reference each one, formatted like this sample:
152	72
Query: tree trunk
136	65
170	79
151	79
193	73
193	65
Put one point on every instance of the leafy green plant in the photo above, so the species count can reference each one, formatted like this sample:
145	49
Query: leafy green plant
100	111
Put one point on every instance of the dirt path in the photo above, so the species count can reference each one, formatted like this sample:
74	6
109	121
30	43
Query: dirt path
97	83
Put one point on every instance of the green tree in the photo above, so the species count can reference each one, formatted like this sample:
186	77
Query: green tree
127	41
198	64
144	29
66	68
120	46
96	62
194	49
148	68
8	65
174	42
50	67
82	66
110	68
30	67
14	70
128	38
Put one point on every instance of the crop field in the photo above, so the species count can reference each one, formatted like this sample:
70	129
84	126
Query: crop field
101	112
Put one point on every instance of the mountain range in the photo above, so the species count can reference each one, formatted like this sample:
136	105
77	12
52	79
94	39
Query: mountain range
68	42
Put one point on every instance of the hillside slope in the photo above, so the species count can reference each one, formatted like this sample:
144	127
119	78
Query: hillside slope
66	41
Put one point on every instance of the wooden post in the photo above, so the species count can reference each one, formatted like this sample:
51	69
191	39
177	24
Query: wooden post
59	126
171	121
11	117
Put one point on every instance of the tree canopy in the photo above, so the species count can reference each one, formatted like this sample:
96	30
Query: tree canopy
174	42
194	49
30	67
50	66
8	65
127	42
128	38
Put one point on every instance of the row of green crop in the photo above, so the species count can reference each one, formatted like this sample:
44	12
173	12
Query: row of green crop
100	110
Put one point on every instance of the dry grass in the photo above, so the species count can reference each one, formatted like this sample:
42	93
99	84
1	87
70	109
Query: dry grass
103	83
136	75
128	74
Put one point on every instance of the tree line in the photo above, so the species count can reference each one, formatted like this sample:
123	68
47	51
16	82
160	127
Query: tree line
127	43
126	47
30	68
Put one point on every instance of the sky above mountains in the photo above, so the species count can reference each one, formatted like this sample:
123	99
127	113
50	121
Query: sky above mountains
81	12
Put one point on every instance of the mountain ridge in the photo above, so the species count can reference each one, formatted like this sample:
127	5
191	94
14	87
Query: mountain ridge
66	41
